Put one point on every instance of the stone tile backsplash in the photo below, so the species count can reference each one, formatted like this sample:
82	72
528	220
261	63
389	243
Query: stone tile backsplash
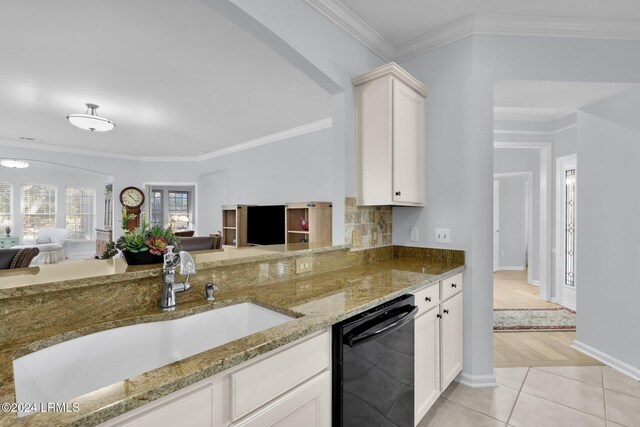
367	226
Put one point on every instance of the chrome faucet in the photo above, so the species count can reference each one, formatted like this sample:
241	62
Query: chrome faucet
169	286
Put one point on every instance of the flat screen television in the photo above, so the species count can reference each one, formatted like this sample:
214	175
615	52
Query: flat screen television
265	225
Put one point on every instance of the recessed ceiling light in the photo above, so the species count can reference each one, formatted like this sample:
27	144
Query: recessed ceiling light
91	120
15	164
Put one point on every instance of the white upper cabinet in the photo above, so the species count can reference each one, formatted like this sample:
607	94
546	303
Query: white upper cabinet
390	126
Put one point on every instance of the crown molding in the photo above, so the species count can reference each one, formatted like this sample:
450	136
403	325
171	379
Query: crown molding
529	114
396	71
5	142
478	24
552	26
336	12
450	33
279	136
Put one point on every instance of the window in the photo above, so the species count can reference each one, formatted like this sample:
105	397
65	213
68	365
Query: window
157	210
171	205
179	209
38	209
81	212
5	204
570	227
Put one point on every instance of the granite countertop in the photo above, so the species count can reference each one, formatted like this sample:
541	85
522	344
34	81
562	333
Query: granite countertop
317	301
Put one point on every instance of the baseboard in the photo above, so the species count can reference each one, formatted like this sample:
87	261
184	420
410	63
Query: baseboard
512	267
610	361
477	381
535	282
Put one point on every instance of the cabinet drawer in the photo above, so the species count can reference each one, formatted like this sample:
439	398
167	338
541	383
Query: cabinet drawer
427	298
308	405
194	409
267	379
451	286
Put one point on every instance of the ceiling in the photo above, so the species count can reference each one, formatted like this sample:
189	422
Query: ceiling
400	21
176	78
548	100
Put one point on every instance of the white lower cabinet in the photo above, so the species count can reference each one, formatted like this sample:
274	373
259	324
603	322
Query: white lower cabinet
450	340
287	387
427	362
438	342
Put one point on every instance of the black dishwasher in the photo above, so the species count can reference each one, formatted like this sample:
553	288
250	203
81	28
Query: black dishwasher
373	367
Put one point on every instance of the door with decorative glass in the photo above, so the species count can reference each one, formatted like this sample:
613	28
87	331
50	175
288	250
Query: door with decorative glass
566	230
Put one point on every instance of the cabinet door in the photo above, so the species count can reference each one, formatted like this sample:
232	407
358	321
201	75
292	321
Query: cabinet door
408	145
308	405
450	340
427	362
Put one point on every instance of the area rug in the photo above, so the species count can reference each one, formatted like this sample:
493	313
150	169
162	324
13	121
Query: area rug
538	319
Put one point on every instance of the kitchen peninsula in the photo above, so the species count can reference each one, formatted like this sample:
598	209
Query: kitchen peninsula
342	284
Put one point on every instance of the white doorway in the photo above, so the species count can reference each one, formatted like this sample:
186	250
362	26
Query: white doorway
504	220
496	225
566	230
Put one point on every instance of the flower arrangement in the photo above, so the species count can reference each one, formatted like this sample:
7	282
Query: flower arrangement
143	239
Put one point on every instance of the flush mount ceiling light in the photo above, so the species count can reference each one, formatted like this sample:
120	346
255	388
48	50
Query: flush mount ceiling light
91	120
15	164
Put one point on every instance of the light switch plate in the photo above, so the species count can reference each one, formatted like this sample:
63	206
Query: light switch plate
304	265
414	235
443	235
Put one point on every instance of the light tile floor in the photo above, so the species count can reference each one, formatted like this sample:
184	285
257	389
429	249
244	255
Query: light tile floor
560	396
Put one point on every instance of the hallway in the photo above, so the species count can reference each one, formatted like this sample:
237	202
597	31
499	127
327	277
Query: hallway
529	349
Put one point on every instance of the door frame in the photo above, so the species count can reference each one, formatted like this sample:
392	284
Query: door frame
544	149
496	223
563	163
528	214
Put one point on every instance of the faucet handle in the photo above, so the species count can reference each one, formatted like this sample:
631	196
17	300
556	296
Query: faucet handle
187	265
210	291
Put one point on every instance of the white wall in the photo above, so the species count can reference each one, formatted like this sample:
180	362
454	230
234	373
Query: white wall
296	169
459	188
513	215
459	156
326	54
608	238
60	177
513	160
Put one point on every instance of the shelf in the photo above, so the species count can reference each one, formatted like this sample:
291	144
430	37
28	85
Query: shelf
229	228
298	232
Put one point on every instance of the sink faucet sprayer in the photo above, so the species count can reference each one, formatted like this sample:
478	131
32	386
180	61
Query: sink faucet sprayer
169	286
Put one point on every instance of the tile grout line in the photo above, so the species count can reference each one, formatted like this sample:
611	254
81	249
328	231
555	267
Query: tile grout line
473	410
564	406
539	368
517	397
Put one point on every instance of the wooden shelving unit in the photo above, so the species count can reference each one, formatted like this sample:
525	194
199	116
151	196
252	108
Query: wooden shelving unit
318	217
234	226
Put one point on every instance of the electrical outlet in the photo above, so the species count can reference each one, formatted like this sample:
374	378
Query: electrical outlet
414	235
374	237
443	235
304	265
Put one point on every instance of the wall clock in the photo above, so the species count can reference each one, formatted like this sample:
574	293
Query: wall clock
132	199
